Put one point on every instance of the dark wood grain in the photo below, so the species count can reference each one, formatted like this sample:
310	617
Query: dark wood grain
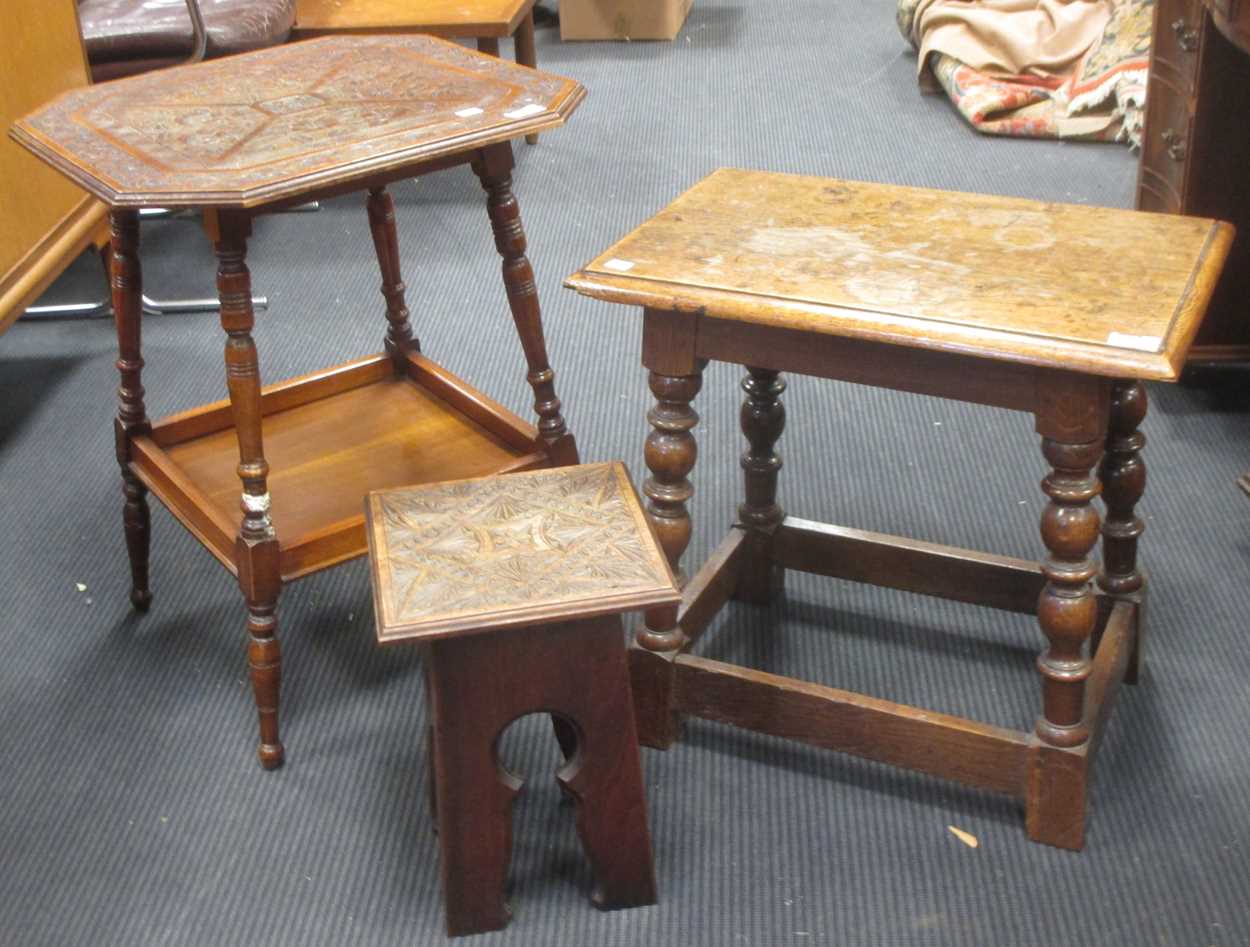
909	565
963	750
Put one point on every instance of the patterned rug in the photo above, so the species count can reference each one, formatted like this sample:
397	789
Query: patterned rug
1103	99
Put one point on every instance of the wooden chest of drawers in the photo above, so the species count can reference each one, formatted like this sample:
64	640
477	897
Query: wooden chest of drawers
1196	152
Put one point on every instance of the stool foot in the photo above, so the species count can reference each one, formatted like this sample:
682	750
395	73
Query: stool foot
1056	796
651	680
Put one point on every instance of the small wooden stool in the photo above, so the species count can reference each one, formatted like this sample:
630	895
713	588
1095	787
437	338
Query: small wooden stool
516	585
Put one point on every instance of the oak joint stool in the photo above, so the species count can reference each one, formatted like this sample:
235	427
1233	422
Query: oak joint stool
1048	309
515	585
270	480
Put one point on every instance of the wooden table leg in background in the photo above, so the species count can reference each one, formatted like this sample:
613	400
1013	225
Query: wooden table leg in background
126	285
256	549
1123	476
763	418
494	169
399	338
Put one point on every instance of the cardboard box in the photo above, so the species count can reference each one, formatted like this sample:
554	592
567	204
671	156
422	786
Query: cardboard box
622	19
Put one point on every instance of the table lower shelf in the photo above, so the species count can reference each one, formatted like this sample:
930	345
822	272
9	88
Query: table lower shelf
329	439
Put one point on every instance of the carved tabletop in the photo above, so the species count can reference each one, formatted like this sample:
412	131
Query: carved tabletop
279	122
533	547
1111	292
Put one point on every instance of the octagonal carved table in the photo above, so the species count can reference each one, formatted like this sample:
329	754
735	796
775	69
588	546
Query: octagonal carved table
252	134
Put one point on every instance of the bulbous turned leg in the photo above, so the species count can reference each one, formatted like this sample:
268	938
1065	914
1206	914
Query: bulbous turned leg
670	454
126	287
1123	475
1067	608
763	418
494	169
256	548
1067	611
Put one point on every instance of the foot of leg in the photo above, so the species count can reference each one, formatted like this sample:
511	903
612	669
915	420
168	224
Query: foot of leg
137	521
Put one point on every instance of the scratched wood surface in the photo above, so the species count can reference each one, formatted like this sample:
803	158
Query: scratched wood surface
257	127
512	550
436	17
1111	292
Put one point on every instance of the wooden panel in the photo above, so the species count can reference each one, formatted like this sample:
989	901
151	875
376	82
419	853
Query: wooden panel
909	565
1111	292
325	456
282	396
470	402
920	371
1110	663
275	123
213	526
972	753
712	586
46	221
452	18
1216	183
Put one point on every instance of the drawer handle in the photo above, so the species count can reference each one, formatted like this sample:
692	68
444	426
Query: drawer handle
1186	36
1176	144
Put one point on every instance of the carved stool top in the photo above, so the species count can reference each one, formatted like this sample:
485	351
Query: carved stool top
1109	292
279	122
517	549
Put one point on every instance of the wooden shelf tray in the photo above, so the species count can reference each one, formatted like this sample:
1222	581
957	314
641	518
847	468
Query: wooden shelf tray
329	439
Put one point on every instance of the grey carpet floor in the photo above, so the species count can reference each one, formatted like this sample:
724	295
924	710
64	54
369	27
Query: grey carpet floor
131	808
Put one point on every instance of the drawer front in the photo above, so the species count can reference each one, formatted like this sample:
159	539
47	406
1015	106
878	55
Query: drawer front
1165	146
1177	38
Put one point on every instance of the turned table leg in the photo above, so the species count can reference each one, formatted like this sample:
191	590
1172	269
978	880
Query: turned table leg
256	549
494	169
126	286
1123	475
763	418
399	337
1073	428
670	454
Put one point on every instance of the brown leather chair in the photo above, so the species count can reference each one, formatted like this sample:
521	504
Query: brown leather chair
125	37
